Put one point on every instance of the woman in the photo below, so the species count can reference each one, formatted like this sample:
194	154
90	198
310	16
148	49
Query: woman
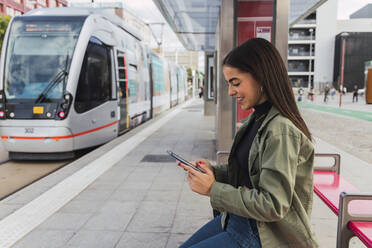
265	192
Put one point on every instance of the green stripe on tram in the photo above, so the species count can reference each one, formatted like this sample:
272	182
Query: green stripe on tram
363	115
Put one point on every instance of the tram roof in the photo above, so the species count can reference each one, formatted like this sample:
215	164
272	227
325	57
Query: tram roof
195	21
68	11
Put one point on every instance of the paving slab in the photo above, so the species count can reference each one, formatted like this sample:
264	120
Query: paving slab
139	203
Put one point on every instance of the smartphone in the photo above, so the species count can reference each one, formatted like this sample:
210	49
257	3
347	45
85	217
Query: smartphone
184	161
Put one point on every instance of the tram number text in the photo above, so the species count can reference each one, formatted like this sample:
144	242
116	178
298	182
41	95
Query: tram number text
29	130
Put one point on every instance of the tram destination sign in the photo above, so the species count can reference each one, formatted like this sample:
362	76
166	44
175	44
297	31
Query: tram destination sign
47	27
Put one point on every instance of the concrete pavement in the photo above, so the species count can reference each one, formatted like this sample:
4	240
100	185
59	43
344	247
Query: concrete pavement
333	103
145	201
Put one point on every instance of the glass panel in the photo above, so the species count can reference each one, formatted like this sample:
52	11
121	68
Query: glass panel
194	21
42	2
158	75
52	3
37	52
94	86
121	62
299	7
30	4
9	11
210	68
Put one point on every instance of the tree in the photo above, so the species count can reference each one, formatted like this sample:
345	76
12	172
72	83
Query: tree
4	21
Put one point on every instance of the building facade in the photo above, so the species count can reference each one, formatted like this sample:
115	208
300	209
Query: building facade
357	52
301	52
19	7
328	56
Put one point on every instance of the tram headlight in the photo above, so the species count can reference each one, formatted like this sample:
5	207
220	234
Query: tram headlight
62	115
64	107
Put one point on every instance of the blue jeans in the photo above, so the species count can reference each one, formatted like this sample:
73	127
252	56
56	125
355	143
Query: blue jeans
239	233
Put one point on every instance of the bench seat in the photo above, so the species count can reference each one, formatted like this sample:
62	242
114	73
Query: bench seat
328	185
354	210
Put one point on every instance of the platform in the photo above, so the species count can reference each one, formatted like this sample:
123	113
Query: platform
119	196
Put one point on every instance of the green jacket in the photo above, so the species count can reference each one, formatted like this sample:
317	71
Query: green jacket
281	171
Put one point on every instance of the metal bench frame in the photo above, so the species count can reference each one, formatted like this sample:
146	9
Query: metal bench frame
336	165
344	234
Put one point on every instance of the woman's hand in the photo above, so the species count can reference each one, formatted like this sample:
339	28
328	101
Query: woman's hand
200	182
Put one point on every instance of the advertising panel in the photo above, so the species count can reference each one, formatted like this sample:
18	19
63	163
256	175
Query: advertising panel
255	19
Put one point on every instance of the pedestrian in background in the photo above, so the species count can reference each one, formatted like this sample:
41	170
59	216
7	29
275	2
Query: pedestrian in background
310	95
265	192
326	92
355	93
200	91
300	93
333	92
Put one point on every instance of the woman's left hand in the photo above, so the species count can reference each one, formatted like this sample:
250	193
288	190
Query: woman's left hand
200	182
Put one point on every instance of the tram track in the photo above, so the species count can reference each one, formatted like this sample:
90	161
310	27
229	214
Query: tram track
16	175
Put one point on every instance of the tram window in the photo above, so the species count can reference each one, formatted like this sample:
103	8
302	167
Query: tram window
113	81
94	87
120	62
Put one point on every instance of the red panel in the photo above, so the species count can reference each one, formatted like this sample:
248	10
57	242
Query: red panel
249	14
363	230
255	8
245	31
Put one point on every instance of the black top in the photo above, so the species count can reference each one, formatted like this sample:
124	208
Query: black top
244	146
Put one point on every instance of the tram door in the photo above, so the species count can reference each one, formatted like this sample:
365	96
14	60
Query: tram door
123	91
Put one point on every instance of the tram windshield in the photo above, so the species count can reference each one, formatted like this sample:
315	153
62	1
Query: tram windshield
37	51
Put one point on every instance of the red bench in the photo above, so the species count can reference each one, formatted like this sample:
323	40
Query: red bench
354	210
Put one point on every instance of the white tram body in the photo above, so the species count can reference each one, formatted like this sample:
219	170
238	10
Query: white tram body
77	78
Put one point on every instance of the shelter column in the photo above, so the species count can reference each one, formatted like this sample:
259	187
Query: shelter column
225	106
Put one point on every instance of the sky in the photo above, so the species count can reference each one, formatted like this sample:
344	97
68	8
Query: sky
347	7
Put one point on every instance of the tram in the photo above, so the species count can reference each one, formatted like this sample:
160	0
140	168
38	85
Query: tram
75	78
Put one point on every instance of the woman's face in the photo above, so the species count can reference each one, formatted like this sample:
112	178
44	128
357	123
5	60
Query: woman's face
243	87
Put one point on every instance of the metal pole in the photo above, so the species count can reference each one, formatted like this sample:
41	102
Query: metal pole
342	70
309	81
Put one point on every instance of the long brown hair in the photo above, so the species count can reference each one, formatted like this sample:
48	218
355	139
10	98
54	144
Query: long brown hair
262	60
